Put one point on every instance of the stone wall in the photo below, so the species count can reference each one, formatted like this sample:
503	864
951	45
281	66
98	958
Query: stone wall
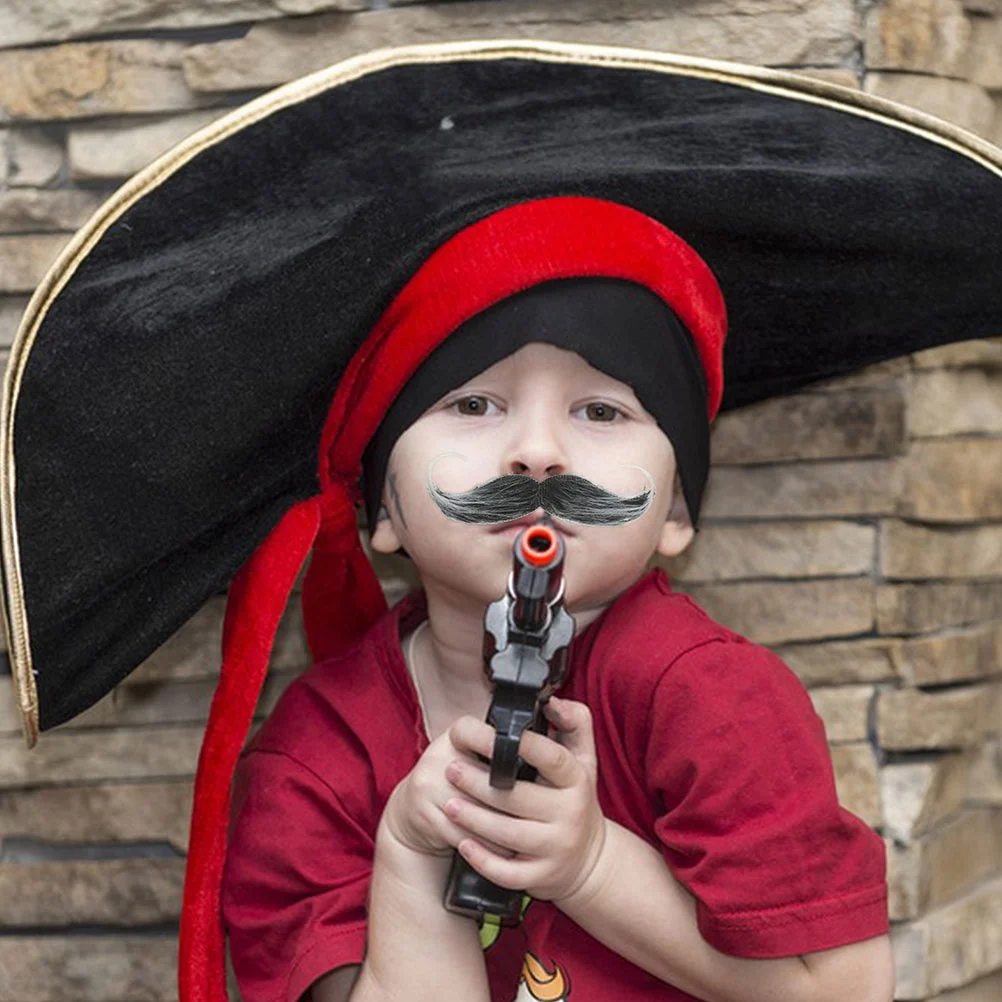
856	528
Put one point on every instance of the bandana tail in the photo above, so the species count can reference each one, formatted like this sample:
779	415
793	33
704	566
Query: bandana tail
342	595
257	598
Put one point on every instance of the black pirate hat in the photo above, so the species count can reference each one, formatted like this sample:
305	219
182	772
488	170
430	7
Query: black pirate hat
195	380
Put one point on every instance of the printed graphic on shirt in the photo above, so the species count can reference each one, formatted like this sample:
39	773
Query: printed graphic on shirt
539	984
536	982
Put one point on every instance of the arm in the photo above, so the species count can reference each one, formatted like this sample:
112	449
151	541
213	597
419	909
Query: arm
317	905
414	945
657	931
335	986
775	872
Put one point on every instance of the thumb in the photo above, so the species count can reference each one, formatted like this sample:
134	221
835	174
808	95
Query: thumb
574	726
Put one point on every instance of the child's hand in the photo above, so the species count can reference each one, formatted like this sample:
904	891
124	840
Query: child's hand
555	824
414	814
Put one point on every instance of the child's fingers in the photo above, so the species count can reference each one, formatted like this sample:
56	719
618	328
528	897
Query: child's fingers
512	873
523	800
473	736
494	828
546	754
560	712
552	760
455	831
574	722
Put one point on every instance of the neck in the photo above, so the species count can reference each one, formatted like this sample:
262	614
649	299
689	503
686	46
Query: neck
450	649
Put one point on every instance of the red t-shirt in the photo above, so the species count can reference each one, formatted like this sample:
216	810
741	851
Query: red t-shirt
708	747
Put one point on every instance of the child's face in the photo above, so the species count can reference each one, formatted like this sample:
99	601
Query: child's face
535	413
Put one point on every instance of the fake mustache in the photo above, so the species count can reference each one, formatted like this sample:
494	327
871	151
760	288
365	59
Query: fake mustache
511	496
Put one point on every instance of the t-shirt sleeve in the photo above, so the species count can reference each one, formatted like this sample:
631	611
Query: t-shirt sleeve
751	823
296	879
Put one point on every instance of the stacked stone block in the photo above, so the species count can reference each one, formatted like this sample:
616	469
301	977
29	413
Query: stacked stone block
855	527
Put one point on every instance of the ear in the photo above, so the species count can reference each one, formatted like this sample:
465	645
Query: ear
383	538
677	532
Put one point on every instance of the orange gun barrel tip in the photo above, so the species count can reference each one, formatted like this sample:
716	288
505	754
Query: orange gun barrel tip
539	545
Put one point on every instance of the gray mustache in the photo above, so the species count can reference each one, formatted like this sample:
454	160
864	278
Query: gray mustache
571	498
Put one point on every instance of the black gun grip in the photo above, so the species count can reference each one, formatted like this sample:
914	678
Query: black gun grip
509	723
470	893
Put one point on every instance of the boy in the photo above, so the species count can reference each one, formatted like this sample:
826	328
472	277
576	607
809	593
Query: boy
748	817
229	291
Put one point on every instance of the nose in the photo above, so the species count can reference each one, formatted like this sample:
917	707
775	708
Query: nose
536	447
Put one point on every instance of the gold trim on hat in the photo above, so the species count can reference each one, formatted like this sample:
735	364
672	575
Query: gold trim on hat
779	82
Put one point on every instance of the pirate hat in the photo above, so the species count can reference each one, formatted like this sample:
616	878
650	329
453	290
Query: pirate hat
195	380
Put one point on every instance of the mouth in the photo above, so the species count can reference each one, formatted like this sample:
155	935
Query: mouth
531	519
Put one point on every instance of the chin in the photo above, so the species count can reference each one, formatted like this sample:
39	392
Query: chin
470	578
600	584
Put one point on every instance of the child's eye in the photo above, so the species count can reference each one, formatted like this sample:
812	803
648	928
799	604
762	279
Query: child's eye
602	411
476	404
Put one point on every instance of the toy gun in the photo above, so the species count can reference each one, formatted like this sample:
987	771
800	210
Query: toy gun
526	635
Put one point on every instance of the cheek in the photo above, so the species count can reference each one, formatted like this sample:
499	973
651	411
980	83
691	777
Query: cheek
614	463
612	550
429	533
455	475
599	568
406	473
